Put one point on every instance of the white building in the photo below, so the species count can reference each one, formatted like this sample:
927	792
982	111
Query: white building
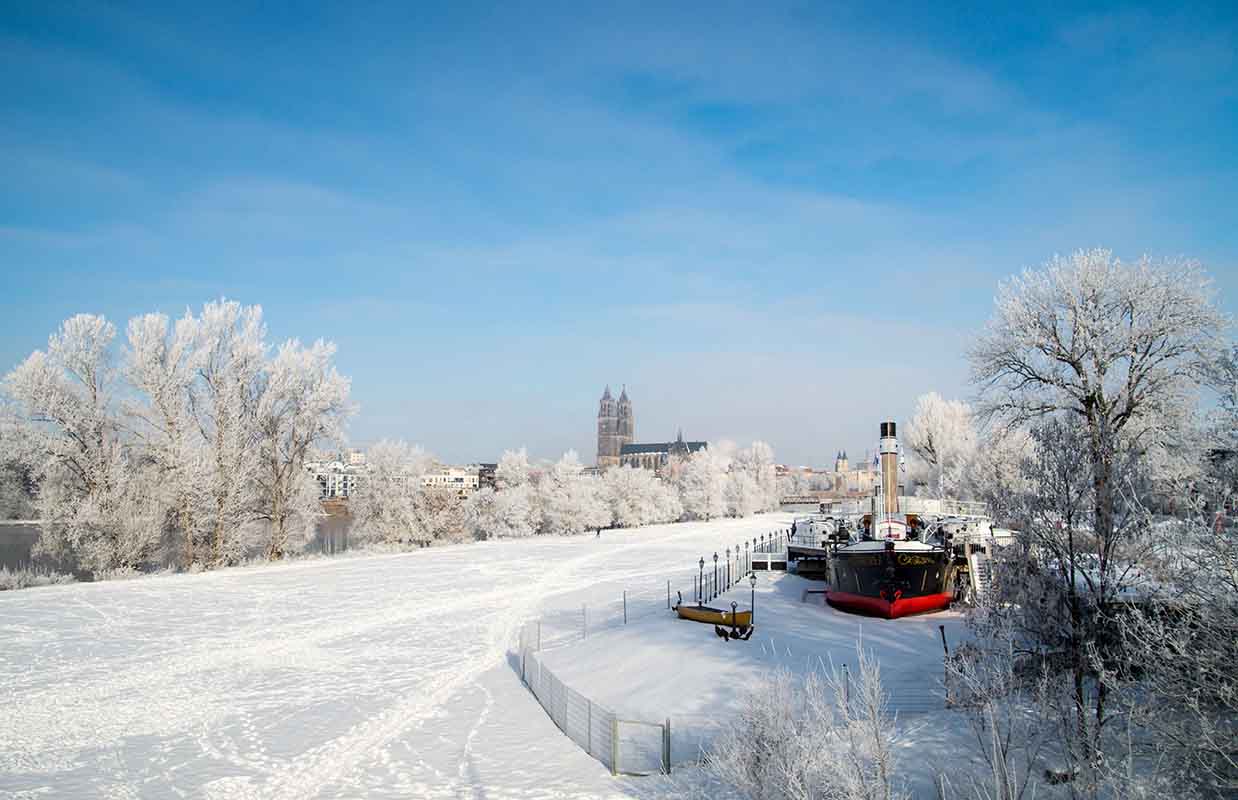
336	480
462	480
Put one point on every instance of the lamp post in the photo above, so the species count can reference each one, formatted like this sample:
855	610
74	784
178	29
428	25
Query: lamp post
728	568
747	560
752	581
715	573
700	583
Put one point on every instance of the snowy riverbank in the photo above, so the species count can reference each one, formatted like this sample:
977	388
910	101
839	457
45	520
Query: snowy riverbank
376	676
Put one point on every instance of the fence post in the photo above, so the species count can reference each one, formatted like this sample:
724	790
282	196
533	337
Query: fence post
846	686
668	595
666	747
614	745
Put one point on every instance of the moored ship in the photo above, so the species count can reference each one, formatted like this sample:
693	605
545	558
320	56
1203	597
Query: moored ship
898	566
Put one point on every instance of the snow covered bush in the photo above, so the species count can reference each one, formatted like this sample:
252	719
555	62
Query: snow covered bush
829	736
505	513
26	577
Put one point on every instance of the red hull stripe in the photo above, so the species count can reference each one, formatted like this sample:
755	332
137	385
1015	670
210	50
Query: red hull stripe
875	606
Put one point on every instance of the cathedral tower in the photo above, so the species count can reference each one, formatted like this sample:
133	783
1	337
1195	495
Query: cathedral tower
608	431
627	420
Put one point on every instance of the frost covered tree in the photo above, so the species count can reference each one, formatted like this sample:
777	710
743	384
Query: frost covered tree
943	437
231	353
572	502
383	505
161	364
1121	347
513	469
1170	679
302	402
65	402
187	449
639	497
752	482
702	483
441	516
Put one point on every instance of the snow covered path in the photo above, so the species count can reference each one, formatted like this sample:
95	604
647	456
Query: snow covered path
384	676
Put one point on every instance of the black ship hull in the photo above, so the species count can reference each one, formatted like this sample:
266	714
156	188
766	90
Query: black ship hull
890	582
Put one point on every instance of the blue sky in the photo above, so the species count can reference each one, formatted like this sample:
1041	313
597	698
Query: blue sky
769	222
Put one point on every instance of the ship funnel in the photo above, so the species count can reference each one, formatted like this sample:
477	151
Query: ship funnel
889	467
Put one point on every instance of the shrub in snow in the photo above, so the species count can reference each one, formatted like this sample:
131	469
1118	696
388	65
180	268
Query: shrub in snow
829	736
503	514
26	577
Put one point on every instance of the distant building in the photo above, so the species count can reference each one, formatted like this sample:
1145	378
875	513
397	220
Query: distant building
655	455
336	480
848	481
616	427
485	474
461	480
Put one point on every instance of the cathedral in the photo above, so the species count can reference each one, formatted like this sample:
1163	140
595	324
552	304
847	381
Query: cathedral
617	434
616	427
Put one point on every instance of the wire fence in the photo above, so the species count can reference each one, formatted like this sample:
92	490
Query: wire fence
624	746
642	747
629	746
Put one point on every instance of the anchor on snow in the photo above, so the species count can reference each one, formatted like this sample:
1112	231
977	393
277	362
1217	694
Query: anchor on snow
741	632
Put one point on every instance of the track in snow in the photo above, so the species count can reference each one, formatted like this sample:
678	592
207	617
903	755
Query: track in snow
380	676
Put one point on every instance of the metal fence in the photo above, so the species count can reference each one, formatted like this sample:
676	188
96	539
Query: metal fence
624	746
642	747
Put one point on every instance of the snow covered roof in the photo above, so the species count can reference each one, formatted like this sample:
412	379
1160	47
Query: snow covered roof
660	447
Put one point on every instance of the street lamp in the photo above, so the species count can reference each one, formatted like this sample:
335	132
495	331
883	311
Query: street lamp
728	568
700	583
752	581
747	560
715	573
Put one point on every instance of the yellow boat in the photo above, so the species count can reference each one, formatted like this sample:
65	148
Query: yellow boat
715	616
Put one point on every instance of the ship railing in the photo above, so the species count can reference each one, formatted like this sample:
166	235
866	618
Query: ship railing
910	505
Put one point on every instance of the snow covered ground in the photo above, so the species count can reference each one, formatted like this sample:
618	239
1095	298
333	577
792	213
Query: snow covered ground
664	667
377	676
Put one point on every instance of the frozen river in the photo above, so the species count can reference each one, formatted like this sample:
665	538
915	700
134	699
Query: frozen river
375	676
